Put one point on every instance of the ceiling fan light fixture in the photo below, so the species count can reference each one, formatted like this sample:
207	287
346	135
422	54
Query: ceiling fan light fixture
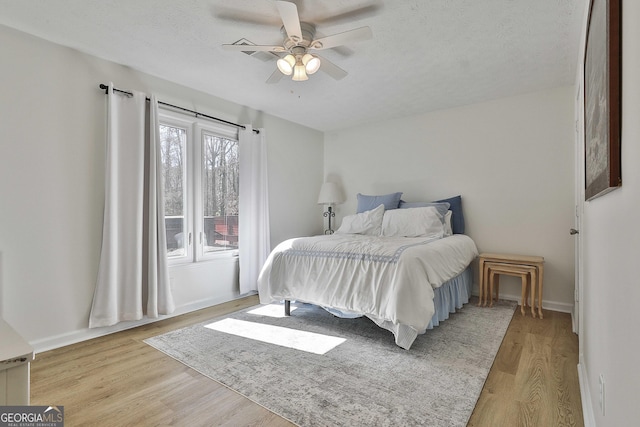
299	73
285	65
298	40
311	63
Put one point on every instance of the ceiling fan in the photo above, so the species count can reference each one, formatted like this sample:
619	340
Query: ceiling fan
297	52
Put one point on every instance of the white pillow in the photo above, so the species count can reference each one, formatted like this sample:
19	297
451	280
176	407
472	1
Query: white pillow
368	222
448	231
413	222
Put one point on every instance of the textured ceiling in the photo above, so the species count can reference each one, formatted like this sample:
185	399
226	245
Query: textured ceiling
424	55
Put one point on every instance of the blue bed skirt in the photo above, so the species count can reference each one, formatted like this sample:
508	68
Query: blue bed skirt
447	298
451	296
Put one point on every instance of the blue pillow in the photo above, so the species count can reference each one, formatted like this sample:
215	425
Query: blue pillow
366	203
442	207
457	217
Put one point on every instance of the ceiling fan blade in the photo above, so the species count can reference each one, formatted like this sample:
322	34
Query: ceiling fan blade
275	77
358	34
332	69
289	14
253	48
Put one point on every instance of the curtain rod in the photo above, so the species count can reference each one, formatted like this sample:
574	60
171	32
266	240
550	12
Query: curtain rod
197	114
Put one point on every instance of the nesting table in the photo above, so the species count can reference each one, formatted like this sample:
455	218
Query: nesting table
530	269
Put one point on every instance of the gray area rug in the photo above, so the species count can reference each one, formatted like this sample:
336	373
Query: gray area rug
365	381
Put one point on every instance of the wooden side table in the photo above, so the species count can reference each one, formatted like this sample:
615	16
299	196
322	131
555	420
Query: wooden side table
536	262
528	275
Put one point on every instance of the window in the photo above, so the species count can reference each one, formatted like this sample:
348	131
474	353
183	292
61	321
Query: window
173	149
200	169
219	193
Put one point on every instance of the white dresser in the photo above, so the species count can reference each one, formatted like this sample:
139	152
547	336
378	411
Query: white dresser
15	357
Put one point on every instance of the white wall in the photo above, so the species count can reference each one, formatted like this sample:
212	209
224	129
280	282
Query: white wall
52	148
510	159
611	237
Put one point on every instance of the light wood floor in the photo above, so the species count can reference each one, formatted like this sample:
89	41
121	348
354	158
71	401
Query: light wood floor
534	378
118	380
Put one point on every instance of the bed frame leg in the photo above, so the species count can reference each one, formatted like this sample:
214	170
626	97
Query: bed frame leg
287	307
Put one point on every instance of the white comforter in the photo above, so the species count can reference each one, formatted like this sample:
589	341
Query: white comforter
388	279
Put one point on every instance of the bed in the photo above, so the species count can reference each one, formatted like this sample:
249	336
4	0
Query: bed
403	268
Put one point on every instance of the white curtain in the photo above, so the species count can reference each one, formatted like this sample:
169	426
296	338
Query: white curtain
127	260
254	238
159	297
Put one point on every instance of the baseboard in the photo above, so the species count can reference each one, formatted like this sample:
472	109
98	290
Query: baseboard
585	395
74	337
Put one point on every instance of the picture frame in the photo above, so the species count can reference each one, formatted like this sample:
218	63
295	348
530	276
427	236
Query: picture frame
602	98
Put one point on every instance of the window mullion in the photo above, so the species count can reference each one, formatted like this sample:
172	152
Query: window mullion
198	219
188	214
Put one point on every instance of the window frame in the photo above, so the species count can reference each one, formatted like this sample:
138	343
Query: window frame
194	169
220	131
174	121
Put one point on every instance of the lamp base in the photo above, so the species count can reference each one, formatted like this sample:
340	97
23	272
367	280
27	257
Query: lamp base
329	214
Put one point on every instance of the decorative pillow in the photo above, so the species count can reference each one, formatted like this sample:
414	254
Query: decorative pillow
413	222
368	222
367	203
441	207
457	220
447	224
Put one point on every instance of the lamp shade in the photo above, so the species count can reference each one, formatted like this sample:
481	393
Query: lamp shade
285	65
330	193
311	63
299	73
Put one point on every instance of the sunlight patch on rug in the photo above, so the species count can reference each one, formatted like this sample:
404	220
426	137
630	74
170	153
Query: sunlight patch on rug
284	337
271	310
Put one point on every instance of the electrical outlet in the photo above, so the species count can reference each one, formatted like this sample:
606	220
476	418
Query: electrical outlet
601	388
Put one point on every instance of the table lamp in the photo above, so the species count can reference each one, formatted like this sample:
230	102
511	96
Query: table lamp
330	194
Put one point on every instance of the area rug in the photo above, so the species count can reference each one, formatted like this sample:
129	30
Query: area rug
364	379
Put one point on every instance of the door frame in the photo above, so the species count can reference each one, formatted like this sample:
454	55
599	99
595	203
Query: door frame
579	193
